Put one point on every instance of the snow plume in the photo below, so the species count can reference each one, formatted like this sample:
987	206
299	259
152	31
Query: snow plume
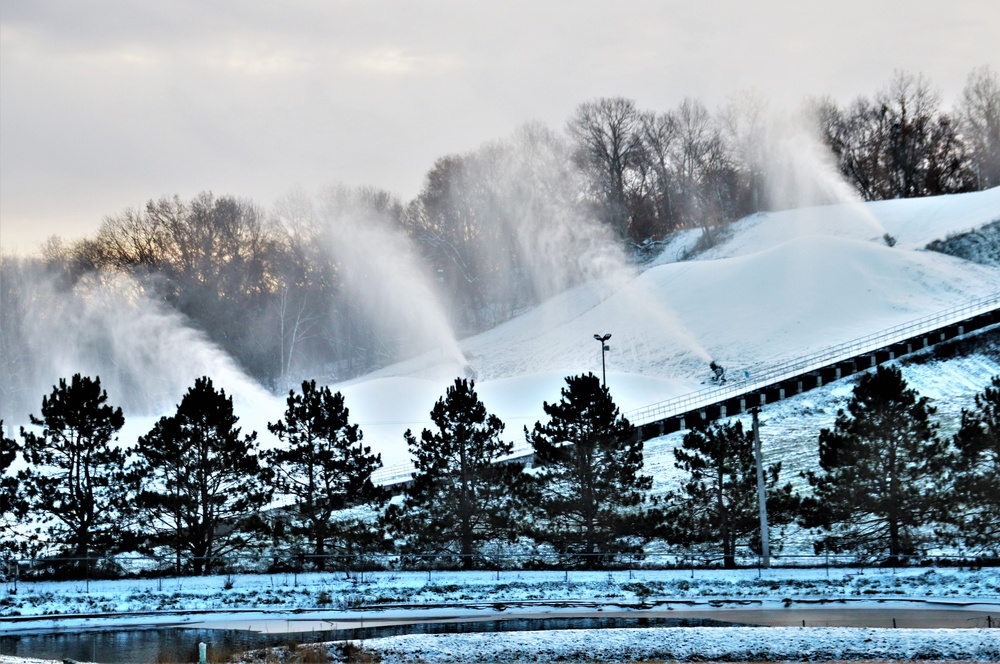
789	164
522	193
384	277
106	326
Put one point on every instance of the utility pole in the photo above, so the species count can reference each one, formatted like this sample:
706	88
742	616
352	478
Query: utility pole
604	348
761	495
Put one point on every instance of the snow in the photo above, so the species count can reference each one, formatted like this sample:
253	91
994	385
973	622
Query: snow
315	602
286	603
692	643
393	593
782	285
913	222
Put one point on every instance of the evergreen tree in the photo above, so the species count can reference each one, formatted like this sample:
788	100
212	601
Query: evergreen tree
591	493
75	475
326	469
719	503
462	494
882	470
8	485
199	481
973	507
11	505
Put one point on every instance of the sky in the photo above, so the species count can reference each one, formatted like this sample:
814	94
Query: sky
108	103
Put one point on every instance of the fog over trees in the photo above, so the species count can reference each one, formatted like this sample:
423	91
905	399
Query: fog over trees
292	292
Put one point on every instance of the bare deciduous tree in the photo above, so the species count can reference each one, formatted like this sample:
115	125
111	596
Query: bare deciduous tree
979	112
608	135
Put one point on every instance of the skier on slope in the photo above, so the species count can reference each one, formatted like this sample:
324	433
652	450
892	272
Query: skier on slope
718	372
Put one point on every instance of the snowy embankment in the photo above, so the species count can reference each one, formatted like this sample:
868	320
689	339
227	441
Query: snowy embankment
734	644
289	603
780	286
378	591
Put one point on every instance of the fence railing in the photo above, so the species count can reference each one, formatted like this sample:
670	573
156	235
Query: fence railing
764	375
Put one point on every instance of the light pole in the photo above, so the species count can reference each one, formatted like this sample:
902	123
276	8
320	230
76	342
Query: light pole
604	348
761	487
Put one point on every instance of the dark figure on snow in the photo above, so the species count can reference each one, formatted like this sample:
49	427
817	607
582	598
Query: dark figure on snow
718	373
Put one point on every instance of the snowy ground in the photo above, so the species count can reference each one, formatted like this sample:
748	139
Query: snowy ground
734	644
379	592
317	602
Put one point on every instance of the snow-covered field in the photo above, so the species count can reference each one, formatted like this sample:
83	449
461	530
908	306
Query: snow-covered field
316	602
379	592
733	644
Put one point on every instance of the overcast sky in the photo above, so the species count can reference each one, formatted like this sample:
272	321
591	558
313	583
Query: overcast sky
107	103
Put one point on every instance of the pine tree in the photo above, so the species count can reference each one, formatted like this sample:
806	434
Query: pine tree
882	470
199	481
591	493
8	485
719	503
462	495
973	506
75	477
326	469
11	505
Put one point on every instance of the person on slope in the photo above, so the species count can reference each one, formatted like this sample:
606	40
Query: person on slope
718	373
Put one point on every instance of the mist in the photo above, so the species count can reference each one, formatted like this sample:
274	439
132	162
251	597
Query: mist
386	280
789	164
109	326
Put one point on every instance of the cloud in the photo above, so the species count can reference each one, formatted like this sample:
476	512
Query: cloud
394	62
110	101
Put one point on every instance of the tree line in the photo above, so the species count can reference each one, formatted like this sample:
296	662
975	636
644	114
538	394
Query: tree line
499	228
195	488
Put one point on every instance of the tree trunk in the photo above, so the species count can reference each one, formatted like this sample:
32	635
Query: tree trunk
319	552
728	551
894	548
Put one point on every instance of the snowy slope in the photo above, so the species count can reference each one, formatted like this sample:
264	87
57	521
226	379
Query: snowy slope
782	285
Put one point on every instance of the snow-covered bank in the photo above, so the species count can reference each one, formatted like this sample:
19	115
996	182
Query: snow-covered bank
381	590
732	644
779	286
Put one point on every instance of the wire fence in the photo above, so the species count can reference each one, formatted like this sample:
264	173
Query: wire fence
134	565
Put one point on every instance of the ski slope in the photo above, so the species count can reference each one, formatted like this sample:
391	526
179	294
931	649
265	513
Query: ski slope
780	285
776	287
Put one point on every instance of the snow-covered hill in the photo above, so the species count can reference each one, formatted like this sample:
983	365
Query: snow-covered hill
778	286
